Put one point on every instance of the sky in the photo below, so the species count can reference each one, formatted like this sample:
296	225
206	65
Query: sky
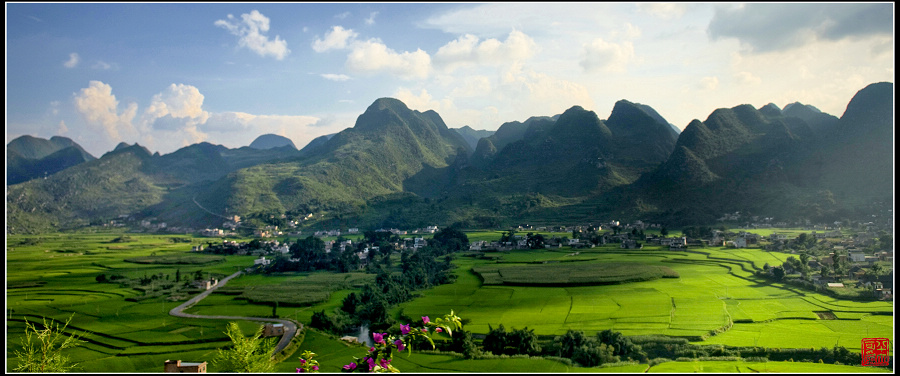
170	75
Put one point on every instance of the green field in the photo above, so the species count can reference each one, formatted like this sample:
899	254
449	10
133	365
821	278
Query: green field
715	299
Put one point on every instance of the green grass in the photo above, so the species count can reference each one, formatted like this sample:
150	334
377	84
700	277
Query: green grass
757	367
53	276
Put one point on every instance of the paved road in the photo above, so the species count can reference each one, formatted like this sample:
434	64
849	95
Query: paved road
290	327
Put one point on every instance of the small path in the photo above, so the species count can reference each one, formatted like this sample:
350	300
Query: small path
290	327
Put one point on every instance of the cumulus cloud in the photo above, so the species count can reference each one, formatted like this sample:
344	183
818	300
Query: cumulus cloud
73	61
335	77
763	27
100	108
179	108
336	39
468	50
251	30
63	129
373	56
608	56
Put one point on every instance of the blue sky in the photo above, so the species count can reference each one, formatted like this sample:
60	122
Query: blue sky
170	75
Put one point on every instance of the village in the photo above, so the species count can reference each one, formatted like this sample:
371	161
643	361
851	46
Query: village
833	254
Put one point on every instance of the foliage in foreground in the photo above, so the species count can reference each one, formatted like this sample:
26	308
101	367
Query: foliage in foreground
42	350
251	354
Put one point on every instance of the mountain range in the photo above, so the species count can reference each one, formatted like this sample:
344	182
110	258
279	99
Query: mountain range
399	167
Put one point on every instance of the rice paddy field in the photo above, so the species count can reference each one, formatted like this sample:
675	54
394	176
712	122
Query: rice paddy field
715	291
710	297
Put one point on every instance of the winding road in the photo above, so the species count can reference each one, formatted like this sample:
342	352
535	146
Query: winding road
290	327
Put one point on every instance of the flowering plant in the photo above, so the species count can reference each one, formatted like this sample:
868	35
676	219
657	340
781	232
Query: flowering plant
307	364
379	356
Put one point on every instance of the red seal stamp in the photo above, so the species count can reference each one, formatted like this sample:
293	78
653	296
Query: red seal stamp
875	352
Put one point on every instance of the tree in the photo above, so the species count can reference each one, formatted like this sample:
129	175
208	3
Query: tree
535	241
664	232
778	273
495	340
42	349
247	355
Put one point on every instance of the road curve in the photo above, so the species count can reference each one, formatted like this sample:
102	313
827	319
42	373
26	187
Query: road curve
290	327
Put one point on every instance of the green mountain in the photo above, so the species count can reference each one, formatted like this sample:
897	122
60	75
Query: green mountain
403	168
128	181
30	157
388	145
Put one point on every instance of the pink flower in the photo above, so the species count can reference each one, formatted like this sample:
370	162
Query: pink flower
425	319
371	363
350	367
384	362
400	345
315	368
378	337
300	370
302	360
371	349
404	329
438	329
425	330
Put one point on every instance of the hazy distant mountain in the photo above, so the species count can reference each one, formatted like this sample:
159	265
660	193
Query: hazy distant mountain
30	157
269	141
472	135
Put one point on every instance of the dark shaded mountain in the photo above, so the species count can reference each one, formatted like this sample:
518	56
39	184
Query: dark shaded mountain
472	135
793	163
30	157
269	141
816	119
508	133
640	133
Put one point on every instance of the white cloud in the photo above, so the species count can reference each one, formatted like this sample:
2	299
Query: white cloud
73	61
335	77
373	56
336	39
371	19
179	109
100	108
611	57
467	50
251	30
709	83
663	10
342	15
100	64
63	129
748	78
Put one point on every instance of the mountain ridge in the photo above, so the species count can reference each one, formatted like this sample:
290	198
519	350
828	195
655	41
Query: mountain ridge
401	167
